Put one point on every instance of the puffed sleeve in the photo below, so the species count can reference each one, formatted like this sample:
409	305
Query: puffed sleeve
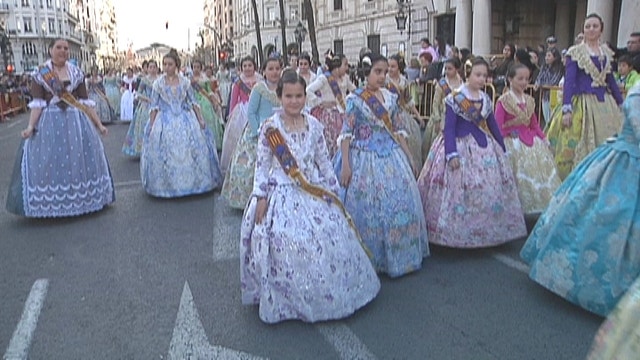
569	87
263	165
349	120
615	90
38	96
314	100
495	130
449	133
321	155
253	109
501	118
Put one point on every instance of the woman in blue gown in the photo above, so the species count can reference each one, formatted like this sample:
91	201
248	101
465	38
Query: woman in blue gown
61	169
586	245
178	154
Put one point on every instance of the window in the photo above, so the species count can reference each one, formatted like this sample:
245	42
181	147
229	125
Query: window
293	12
52	26
25	3
49	4
373	43
271	13
337	4
338	46
28	27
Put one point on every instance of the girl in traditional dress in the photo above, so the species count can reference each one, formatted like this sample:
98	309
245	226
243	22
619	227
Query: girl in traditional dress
111	84
61	169
325	97
135	136
238	181
450	82
585	247
529	154
209	105
238	111
97	95
128	93
300	257
377	174
467	186
619	335
304	68
413	121
179	153
590	112
224	82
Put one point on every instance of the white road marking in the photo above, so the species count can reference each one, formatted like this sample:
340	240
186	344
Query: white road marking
130	183
18	348
12	124
226	245
189	340
346	343
510	262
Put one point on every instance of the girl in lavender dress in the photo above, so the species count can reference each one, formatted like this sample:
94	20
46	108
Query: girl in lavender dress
300	258
591	98
61	169
377	174
179	155
468	191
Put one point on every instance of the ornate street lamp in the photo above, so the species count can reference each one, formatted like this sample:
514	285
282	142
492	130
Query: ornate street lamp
401	20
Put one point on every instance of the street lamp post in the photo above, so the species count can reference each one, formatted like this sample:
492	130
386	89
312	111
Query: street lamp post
401	16
300	34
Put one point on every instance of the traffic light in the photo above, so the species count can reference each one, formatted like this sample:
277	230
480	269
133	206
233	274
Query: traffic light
10	68
166	25
222	55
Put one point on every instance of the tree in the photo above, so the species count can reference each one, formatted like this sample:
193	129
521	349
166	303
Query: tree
283	32
311	25
256	19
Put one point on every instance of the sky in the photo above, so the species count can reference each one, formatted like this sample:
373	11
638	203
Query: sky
142	22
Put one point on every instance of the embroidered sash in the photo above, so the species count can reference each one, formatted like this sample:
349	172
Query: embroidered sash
53	84
378	110
281	151
471	111
335	88
393	88
244	88
200	90
444	85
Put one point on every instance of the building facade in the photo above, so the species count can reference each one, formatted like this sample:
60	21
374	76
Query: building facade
107	52
218	30
484	26
31	25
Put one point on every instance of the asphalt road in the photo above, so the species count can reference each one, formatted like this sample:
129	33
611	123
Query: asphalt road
158	279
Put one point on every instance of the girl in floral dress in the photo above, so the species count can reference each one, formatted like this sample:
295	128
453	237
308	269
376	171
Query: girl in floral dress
97	95
467	186
299	256
377	174
179	153
591	98
208	102
585	246
135	136
450	82
325	97
413	122
529	154
237	110
238	181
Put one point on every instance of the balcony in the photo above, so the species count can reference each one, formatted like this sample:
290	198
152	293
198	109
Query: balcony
71	17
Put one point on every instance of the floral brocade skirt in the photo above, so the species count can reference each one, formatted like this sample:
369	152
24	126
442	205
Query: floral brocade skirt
593	122
535	173
238	182
475	205
332	121
303	261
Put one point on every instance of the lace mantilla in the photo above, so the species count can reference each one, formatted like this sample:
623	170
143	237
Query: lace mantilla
522	117
580	54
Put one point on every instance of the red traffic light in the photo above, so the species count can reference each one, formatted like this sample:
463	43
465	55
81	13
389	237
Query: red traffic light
10	68
222	55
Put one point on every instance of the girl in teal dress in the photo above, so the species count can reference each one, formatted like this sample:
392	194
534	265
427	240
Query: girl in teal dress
586	245
209	105
134	139
111	84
